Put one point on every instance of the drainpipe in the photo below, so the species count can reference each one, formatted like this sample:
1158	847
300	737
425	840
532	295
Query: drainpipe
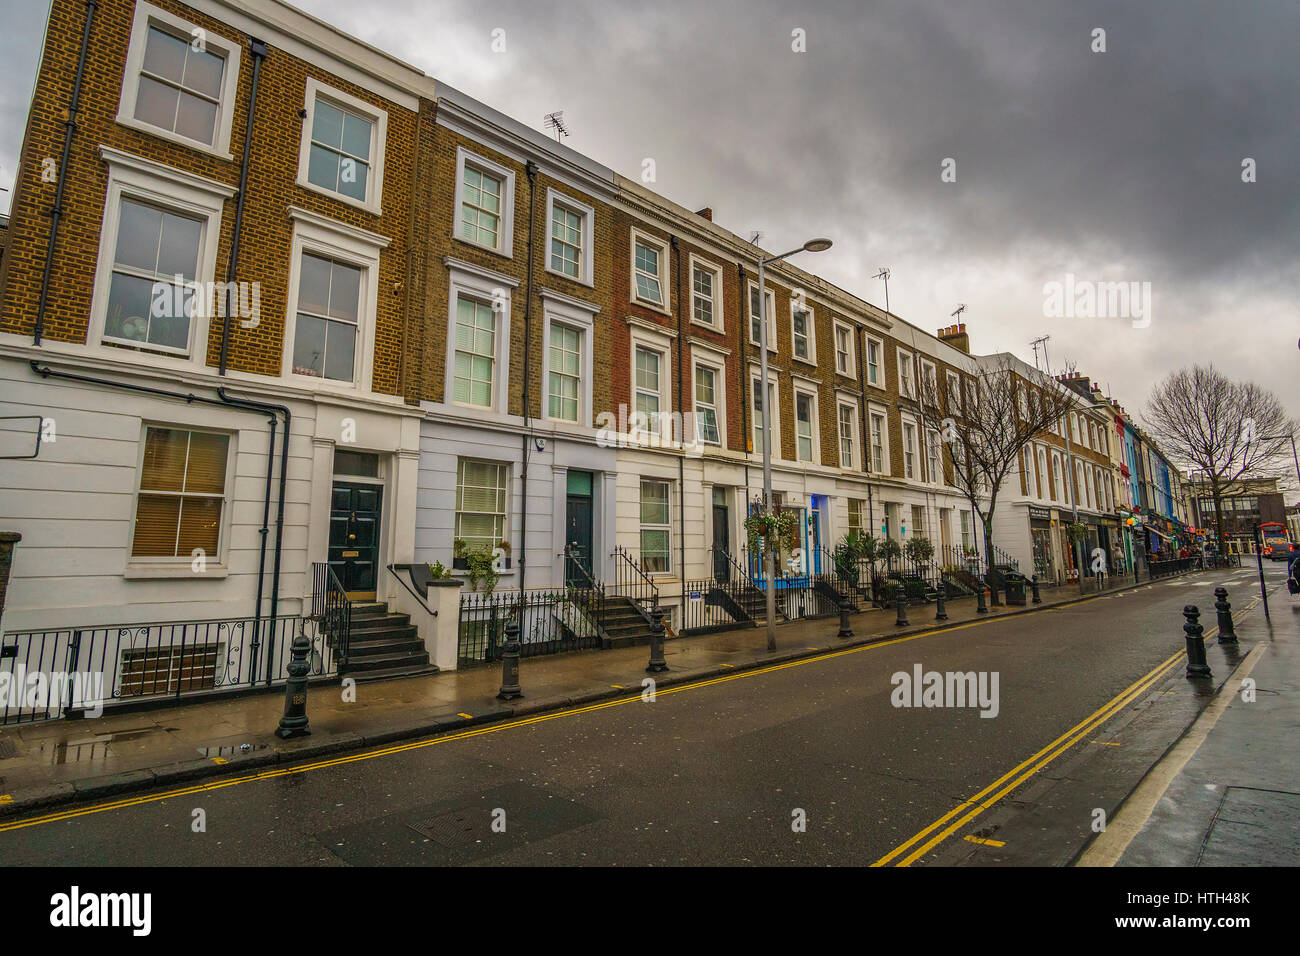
743	369
530	168
681	404
258	49
56	214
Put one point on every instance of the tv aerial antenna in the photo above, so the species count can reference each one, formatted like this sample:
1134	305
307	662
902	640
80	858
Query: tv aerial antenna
555	121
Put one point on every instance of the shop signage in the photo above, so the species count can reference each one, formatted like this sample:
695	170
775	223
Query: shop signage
1039	514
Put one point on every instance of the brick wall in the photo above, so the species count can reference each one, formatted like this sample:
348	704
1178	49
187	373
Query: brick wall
273	167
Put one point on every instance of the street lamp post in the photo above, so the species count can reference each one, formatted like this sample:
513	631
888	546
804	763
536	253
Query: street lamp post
812	245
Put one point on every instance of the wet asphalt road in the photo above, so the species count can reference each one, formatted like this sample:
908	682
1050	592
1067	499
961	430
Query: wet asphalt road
715	774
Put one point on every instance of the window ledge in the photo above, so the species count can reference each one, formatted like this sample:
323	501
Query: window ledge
371	208
652	306
195	144
568	278
145	572
812	362
482	248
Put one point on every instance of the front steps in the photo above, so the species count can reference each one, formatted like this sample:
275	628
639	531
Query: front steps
384	645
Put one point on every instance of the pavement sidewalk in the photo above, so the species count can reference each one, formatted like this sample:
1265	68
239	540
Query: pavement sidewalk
1228	793
60	761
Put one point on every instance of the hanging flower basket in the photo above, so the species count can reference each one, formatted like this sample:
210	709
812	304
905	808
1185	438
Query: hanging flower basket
770	528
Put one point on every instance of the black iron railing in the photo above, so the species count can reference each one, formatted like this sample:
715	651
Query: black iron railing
550	621
1161	569
632	581
331	608
85	668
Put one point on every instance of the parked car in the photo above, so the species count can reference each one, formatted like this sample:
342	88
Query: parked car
1283	552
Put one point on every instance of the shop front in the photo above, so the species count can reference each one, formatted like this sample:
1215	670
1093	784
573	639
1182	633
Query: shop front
1040	534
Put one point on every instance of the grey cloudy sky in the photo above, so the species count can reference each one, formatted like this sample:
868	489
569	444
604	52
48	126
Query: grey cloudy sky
1115	166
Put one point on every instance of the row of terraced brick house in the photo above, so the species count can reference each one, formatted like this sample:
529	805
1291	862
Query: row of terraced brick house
277	305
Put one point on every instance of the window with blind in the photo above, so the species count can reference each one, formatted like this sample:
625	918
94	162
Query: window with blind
656	551
182	493
481	488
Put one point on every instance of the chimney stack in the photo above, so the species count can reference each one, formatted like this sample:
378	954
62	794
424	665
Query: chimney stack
955	335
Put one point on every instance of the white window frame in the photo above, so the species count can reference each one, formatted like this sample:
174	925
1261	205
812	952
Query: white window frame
580	316
134	178
855	451
883	413
802	305
880	363
770	293
143	565
506	236
665	271
695	262
653	342
507	497
717	363
802	390
851	367
314	233
586	253
904	358
481	284
146	15
667	526
774	383
348	103
953	384
1040	460
907	421
929	372
931	439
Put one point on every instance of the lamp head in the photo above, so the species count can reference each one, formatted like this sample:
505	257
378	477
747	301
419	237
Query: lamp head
816	245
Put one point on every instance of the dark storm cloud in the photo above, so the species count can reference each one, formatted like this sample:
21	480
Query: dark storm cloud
1123	165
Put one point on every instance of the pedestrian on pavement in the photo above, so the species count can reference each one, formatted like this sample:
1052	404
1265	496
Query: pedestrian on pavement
1293	577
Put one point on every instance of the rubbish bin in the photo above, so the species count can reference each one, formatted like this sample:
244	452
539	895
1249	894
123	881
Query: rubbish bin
1015	587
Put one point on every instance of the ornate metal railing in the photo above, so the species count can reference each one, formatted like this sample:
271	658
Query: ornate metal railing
551	620
632	581
331	608
86	668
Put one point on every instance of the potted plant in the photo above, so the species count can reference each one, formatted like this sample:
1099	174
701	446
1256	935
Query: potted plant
479	564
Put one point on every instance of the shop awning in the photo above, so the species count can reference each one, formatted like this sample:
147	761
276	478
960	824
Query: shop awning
1159	534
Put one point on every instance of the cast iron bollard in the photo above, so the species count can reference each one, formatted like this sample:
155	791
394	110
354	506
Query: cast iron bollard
510	689
940	612
294	721
1033	586
981	607
1227	635
900	602
657	662
1196	663
845	629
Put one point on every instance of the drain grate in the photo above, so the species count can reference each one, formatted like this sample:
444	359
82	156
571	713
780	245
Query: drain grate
7	748
456	829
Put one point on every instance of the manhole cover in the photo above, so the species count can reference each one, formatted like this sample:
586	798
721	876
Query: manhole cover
7	748
458	828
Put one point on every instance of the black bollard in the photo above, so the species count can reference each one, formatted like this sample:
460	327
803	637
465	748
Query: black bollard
940	612
845	629
1196	663
510	664
900	602
980	607
294	721
657	662
1227	635
1033	586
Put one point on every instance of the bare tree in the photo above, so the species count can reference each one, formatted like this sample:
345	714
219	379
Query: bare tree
1223	431
987	428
